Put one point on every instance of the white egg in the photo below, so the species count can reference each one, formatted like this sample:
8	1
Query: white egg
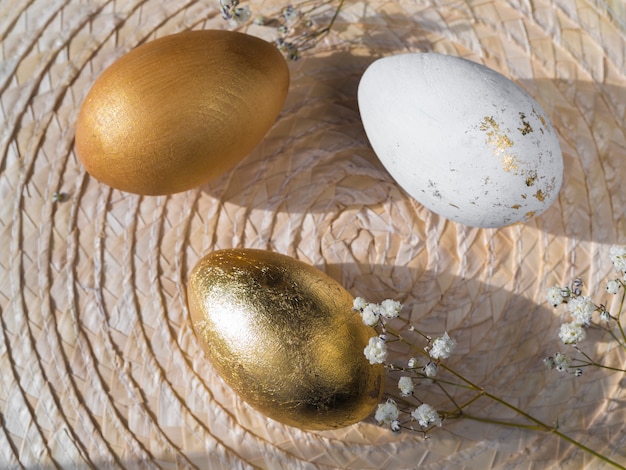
462	139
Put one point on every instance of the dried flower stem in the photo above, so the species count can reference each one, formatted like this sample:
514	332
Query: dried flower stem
619	317
591	362
537	424
307	39
295	23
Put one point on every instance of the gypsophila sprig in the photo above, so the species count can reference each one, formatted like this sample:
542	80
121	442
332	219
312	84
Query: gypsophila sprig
581	308
426	416
390	308
613	286
232	12
583	312
406	408
442	347
370	314
430	369
406	386
387	412
572	333
297	27
376	350
555	296
617	254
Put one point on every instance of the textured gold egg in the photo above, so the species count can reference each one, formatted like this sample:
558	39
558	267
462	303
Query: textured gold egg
284	336
181	110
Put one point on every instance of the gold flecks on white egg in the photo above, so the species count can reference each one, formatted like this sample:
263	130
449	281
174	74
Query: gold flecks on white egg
460	138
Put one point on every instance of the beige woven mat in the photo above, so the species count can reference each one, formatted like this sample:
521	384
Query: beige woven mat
99	364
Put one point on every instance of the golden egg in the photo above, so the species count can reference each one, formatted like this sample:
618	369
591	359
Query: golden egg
283	335
178	111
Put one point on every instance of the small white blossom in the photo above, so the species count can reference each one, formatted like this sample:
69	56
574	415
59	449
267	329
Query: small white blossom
376	350
359	303
405	384
561	362
612	287
571	333
413	362
390	308
581	309
442	347
430	369
577	287
605	315
395	426
549	362
554	296
228	4
426	415
617	254
290	14
370	314
240	15
387	412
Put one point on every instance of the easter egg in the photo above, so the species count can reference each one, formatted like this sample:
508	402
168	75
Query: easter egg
460	138
284	337
179	111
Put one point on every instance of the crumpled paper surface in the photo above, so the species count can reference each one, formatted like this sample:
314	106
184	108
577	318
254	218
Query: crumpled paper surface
99	366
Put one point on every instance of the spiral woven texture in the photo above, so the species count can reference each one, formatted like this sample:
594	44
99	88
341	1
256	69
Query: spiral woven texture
99	365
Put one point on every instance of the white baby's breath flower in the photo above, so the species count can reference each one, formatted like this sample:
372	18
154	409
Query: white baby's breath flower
376	350
605	315
617	254
426	415
240	15
412	363
571	333
359	303
290	14
370	314
549	362
395	426
228	4
387	412
581	309
406	386
612	287
554	296
442	347
561	362
390	308
430	369
227	7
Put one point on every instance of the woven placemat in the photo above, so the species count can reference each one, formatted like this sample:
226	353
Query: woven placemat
99	366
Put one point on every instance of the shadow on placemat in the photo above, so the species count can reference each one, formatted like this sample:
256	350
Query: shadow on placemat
322	108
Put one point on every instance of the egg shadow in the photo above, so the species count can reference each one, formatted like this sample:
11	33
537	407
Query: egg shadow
502	338
318	150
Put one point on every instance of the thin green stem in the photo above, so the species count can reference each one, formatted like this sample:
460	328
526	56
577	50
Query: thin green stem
459	408
537	425
450	397
541	425
602	366
327	29
592	362
531	427
615	337
619	316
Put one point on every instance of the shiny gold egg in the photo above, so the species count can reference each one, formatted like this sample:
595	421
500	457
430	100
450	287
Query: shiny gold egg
283	335
181	110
